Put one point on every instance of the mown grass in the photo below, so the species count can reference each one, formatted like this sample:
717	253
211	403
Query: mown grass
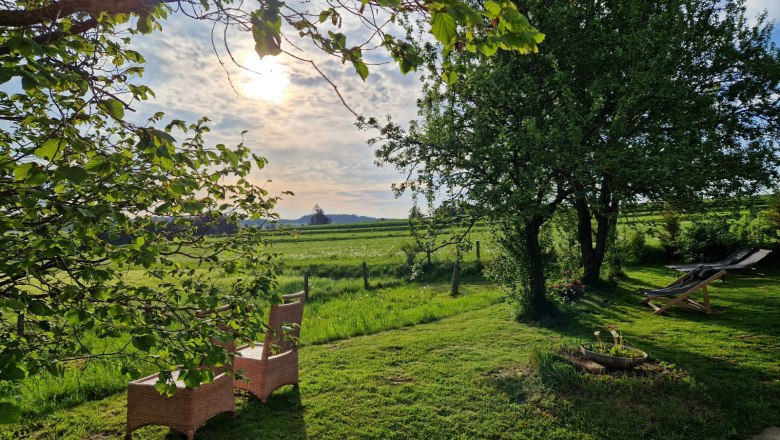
336	309
477	374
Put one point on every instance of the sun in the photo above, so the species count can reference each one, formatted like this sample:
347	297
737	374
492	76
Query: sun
265	79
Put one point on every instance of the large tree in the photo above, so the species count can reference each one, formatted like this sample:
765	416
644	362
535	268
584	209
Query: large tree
626	101
676	102
496	151
103	220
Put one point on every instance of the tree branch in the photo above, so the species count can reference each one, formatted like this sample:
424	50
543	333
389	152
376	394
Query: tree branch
63	8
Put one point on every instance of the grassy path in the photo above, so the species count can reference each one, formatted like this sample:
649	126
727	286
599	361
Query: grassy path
471	375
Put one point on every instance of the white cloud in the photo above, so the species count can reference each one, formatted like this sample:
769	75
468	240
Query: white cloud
313	146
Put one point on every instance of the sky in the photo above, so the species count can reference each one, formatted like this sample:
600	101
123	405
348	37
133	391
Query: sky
291	115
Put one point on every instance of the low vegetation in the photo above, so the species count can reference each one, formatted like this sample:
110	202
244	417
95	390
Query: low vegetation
406	359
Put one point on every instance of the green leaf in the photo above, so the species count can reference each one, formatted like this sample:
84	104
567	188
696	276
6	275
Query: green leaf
76	316
165	388
28	84
144	342
51	149
443	27
492	8
192	379
74	174
10	413
147	259
360	68
12	372
40	308
144	24
21	171
488	49
450	76
95	163
112	107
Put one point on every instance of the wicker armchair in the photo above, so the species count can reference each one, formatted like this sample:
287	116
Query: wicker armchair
185	411
188	408
273	363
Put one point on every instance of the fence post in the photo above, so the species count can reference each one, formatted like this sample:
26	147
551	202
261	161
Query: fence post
306	284
365	275
477	250
428	254
455	277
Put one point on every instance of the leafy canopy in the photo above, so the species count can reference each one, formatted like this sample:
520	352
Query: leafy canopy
103	219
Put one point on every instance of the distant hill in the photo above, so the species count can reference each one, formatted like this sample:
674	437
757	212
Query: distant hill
335	219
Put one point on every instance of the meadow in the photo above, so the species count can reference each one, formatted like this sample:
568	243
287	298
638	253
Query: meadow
405	359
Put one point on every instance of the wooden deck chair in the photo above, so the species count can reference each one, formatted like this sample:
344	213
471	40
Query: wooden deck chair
273	363
679	292
748	263
736	257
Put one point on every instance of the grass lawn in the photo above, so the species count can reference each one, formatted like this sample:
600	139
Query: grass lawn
474	372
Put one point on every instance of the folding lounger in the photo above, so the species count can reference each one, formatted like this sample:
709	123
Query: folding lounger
749	262
734	258
679	292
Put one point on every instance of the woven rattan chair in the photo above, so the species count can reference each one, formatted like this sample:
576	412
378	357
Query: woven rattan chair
273	363
185	411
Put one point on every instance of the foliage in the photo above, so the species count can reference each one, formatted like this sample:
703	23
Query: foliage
318	217
707	238
636	245
671	224
773	214
617	348
710	238
512	271
568	288
79	176
480	361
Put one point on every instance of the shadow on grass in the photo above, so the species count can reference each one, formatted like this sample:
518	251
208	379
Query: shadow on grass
705	398
280	418
730	388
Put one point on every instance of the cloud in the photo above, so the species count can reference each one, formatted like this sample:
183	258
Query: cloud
310	139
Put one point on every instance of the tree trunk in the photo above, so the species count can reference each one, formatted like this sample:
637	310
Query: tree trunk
537	304
606	219
590	261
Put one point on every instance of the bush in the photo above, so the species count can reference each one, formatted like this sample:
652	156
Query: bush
636	246
671	224
707	239
713	238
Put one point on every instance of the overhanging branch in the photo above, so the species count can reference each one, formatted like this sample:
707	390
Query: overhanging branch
63	8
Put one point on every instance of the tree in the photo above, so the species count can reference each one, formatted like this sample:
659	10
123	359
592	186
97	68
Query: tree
76	175
319	217
675	102
492	159
627	101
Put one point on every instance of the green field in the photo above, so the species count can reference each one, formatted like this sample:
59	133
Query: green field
406	359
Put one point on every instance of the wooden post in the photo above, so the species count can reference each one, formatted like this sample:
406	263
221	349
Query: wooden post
428	254
306	284
477	250
455	277
365	275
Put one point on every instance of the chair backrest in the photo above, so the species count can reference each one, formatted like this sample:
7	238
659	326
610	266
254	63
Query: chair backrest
753	258
284	325
738	255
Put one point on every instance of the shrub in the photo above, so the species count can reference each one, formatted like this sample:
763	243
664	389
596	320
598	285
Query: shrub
671	224
707	239
636	246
